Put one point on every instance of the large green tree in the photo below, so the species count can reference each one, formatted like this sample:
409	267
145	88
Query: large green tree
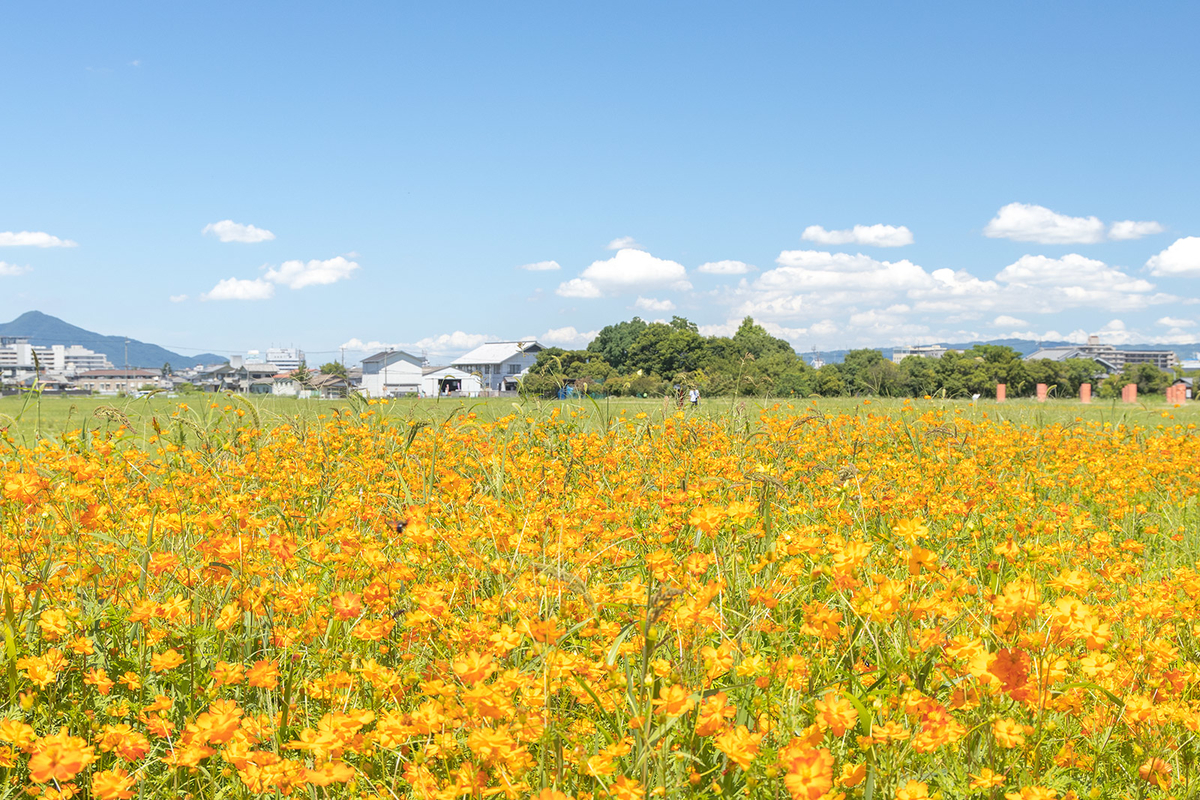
614	341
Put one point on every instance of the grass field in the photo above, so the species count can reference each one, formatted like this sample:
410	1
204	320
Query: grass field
883	600
54	415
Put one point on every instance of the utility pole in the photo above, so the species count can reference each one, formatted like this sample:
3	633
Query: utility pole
127	356
343	357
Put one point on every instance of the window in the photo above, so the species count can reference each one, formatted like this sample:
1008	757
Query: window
514	369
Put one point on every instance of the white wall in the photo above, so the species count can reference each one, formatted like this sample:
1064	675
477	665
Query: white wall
399	377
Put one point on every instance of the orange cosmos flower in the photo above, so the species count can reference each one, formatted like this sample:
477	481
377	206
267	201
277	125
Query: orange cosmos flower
852	775
836	713
809	771
1008	733
626	789
550	794
263	675
706	518
226	674
913	790
911	530
674	700
124	741
1157	772
113	784
713	713
473	667
165	662
986	779
739	744
347	605
59	758
330	772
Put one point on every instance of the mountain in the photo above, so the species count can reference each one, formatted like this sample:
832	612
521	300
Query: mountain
1022	346
44	330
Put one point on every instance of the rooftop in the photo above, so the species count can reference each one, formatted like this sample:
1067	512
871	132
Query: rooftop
496	352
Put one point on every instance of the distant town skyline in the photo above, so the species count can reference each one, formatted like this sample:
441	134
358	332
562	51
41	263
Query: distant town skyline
432	178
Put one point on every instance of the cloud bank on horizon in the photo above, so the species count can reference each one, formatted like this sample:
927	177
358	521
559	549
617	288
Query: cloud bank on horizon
818	294
811	296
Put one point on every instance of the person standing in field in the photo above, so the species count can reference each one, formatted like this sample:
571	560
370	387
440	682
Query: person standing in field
694	397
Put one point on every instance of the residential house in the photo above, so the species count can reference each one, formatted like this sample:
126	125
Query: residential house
329	387
285	385
239	376
391	373
500	365
121	381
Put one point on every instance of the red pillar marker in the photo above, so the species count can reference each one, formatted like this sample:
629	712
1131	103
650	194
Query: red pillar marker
1041	392
1001	392
1085	393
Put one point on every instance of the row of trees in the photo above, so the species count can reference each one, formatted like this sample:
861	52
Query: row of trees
657	358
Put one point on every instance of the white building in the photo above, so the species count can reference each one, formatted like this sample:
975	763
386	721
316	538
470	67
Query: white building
285	385
499	365
922	350
391	373
286	358
66	361
446	381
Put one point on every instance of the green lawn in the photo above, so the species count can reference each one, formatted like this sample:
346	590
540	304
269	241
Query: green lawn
28	418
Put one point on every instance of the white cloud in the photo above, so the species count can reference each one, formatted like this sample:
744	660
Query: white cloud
1173	322
652	304
451	343
886	298
623	243
1181	258
33	239
1115	332
1072	270
1005	321
1129	229
229	231
298	274
540	266
374	346
437	347
567	338
730	326
238	289
578	287
872	235
628	270
725	268
12	270
178	298
1023	222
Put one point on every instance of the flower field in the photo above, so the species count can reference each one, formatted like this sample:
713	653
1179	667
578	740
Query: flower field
569	603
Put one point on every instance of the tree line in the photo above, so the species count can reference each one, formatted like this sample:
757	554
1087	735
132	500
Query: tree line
639	358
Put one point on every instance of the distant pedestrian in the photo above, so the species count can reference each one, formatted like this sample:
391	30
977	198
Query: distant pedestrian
694	397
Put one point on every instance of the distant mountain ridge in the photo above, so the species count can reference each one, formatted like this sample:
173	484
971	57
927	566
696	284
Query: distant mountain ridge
1022	346
44	330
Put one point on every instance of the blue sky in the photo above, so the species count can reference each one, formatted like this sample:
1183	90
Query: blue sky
408	160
